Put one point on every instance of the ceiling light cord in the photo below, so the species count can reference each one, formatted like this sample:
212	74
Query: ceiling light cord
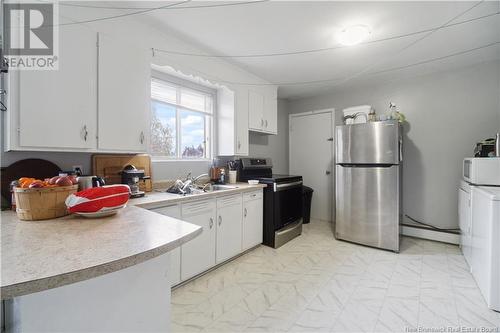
318	50
394	55
237	3
126	14
298	83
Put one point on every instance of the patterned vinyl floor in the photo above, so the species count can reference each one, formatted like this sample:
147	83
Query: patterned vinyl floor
316	283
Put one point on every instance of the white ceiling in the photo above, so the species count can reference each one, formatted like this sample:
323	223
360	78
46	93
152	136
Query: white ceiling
279	26
269	27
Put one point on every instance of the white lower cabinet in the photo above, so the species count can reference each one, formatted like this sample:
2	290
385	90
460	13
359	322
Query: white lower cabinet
252	230
198	254
231	224
229	227
175	255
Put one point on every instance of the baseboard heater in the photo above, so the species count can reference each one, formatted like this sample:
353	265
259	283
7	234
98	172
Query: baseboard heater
413	229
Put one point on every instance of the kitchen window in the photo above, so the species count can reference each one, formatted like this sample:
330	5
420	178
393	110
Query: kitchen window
181	119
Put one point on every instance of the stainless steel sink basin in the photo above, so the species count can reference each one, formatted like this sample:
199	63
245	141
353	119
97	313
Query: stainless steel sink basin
220	188
208	189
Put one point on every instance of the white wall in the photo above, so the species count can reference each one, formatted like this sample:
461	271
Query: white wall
139	32
273	146
448	113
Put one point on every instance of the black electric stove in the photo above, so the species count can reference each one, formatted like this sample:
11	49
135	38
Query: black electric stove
282	200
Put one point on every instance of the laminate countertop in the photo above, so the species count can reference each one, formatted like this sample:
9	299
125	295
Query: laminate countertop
41	255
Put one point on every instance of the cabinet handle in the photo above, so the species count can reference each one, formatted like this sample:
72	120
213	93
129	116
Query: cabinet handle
262	122
266	123
141	137
239	144
220	220
85	132
211	224
245	213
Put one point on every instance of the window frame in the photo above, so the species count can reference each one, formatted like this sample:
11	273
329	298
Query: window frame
210	138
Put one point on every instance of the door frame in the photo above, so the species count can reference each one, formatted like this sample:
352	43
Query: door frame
332	167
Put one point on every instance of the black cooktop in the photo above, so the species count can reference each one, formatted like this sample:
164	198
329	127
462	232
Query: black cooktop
279	178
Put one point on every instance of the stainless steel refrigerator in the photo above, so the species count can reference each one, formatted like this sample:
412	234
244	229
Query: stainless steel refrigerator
367	184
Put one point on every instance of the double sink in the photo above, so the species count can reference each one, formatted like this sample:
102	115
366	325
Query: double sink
208	189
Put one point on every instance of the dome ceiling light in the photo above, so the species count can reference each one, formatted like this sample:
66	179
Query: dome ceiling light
354	35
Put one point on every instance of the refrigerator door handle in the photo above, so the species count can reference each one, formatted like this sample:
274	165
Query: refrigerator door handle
350	165
400	149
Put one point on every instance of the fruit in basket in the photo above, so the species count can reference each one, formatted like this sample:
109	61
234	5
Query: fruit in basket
53	180
64	181
36	184
27	182
74	179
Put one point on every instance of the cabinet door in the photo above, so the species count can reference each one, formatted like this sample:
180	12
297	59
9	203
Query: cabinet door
124	96
271	114
175	255
252	231
57	108
198	254
255	110
229	224
241	115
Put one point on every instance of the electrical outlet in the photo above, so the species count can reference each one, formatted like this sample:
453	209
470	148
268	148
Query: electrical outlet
78	169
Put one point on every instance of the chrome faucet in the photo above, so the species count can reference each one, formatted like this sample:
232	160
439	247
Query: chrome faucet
189	184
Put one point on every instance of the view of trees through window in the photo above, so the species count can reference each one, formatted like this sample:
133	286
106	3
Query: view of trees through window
180	121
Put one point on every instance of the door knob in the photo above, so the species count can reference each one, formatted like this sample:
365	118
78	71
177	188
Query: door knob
328	172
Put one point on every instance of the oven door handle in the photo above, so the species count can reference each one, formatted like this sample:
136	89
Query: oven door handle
282	187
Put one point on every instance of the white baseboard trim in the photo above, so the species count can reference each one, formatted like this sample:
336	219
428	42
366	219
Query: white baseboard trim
444	237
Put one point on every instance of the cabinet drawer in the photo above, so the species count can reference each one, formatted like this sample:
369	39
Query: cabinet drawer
197	207
252	195
229	200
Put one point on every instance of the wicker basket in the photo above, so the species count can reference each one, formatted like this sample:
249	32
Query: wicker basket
42	203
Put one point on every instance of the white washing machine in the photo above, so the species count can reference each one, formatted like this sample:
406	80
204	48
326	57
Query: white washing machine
465	220
485	242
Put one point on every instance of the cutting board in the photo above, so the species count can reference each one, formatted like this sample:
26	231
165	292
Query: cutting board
109	167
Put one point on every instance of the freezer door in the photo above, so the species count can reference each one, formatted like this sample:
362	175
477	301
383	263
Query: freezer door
370	143
367	206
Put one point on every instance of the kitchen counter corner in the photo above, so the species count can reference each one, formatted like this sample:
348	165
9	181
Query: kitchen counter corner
41	255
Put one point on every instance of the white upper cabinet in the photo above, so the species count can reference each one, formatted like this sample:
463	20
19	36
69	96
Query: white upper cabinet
232	120
271	112
124	96
56	109
263	110
255	110
241	123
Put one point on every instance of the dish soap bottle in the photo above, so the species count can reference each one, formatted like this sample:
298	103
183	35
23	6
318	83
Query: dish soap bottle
222	176
372	116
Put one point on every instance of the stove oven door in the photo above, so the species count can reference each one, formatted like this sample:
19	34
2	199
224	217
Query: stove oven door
287	204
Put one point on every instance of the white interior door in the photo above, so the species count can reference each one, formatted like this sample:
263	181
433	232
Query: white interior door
311	156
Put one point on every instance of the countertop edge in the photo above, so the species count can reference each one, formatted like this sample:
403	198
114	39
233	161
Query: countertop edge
33	286
67	278
152	202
